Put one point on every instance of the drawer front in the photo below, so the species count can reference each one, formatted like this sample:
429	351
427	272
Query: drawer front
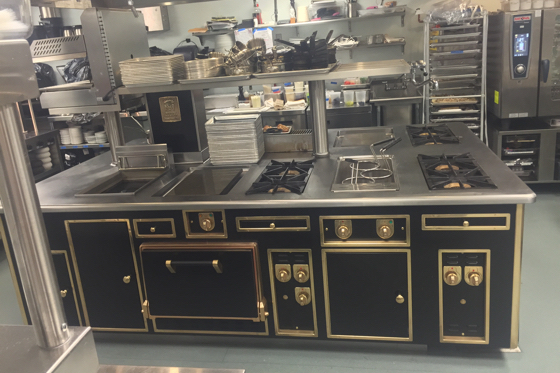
154	228
205	281
465	222
272	223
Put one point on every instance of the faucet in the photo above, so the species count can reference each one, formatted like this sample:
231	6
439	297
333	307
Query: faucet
421	65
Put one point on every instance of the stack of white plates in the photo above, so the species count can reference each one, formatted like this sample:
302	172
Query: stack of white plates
152	70
101	137
76	135
65	136
235	139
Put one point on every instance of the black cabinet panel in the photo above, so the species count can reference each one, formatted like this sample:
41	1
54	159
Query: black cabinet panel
104	258
365	288
69	301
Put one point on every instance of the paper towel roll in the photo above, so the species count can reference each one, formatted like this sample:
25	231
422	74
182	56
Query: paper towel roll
302	14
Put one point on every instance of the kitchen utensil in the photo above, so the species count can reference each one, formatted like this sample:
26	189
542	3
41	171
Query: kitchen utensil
257	43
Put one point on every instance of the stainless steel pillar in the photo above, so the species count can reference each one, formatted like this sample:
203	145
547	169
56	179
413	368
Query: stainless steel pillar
28	233
319	115
114	132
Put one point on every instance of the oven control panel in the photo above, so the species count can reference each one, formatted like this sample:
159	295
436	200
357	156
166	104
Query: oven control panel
205	224
520	45
365	230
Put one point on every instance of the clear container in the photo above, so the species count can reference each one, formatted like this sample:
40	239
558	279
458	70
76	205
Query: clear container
256	101
549	3
538	4
348	97
15	19
361	97
514	5
334	98
525	4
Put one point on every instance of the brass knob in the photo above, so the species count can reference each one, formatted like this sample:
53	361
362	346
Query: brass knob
63	293
206	224
384	232
343	232
283	275
474	279
302	299
452	278
465	223
301	276
153	229
272	225
126	279
399	299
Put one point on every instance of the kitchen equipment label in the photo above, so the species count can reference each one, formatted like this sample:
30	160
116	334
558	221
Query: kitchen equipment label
170	110
496	97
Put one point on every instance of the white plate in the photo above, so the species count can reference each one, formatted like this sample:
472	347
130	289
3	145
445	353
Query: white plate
43	155
46	160
42	150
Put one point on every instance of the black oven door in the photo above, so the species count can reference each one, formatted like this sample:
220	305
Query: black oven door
201	280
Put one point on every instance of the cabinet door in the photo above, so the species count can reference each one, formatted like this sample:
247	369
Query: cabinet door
368	294
66	286
105	265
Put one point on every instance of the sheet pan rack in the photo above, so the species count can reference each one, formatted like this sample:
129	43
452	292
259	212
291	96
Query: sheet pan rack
455	56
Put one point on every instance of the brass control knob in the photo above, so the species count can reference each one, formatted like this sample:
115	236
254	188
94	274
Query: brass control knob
63	293
452	278
272	225
385	232
126	279
284	275
301	276
474	279
303	299
153	229
206	224
343	232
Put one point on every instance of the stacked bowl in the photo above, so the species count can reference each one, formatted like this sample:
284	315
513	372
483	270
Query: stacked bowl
76	135
65	136
101	137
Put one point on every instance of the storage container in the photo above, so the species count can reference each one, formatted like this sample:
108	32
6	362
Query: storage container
327	10
348	97
15	19
220	101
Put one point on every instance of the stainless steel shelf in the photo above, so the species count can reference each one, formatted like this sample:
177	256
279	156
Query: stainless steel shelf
85	146
398	11
370	68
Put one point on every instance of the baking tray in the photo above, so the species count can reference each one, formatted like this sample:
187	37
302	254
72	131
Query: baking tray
465	119
452	103
456	36
279	133
455	112
148	84
216	79
297	73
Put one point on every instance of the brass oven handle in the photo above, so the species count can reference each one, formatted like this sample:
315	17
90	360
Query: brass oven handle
172	264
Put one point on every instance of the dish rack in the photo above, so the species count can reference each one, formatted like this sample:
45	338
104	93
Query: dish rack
455	57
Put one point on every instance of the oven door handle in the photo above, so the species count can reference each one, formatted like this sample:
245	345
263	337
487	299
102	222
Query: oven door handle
545	67
173	264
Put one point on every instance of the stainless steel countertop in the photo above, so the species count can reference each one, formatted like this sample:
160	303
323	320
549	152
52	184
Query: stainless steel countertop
57	193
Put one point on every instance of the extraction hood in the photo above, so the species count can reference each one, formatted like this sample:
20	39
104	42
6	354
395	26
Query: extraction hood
112	4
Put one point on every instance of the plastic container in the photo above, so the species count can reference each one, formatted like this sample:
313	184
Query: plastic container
256	101
348	98
514	5
525	4
299	95
538	4
273	96
15	19
549	3
220	101
334	98
361	97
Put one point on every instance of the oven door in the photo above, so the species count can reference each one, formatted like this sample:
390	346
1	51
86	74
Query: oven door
201	280
549	87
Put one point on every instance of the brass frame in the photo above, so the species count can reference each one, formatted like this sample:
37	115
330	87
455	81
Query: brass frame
516	287
216	246
465	339
155	235
191	235
382	242
13	273
215	332
240	219
78	278
327	301
289	332
469	228
65	253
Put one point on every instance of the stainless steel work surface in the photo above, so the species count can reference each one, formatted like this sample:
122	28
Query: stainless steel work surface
362	136
57	192
20	352
133	369
208	181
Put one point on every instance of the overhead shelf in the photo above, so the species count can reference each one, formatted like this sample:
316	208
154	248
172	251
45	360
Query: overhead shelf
85	146
370	68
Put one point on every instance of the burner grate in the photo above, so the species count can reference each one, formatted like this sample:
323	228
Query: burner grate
283	177
454	172
431	135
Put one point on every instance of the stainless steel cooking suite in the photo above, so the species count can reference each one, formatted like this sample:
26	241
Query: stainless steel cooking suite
419	243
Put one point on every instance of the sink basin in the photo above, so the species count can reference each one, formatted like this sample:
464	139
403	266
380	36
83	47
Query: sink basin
374	174
124	183
362	136
203	182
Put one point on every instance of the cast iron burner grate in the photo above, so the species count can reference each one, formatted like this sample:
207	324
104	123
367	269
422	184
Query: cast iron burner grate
431	135
286	177
454	172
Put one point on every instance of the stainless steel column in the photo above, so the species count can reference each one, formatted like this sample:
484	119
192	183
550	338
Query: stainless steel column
319	115
114	132
28	233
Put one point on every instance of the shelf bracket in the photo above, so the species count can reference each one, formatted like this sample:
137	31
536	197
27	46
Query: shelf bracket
349	26
402	20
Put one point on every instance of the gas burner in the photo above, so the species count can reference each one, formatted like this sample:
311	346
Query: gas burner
283	177
431	135
454	172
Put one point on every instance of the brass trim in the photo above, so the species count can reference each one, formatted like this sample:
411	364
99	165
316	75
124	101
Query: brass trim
273	227
516	287
205	235
58	252
287	332
382	242
156	235
156	330
168	265
466	227
78	277
217	266
232	246
13	273
465	339
63	293
327	301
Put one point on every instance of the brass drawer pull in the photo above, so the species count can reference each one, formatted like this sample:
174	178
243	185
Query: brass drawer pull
126	279
173	264
399	299
153	229
63	293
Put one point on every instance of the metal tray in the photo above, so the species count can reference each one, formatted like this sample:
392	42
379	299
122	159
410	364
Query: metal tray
465	119
453	103
216	79
296	73
155	84
460	27
455	112
457	36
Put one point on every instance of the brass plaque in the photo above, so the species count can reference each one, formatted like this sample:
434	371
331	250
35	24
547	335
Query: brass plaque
170	110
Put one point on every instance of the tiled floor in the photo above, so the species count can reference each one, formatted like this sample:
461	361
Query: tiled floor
540	328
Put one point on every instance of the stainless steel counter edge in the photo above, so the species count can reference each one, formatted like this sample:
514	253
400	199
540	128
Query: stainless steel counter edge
57	193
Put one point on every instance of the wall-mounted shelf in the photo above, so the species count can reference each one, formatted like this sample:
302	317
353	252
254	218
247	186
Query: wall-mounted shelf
380	45
85	146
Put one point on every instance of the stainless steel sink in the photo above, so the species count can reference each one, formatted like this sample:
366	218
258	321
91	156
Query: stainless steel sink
362	136
365	174
124	183
203	182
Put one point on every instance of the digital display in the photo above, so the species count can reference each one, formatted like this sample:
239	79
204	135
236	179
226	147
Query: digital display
521	45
